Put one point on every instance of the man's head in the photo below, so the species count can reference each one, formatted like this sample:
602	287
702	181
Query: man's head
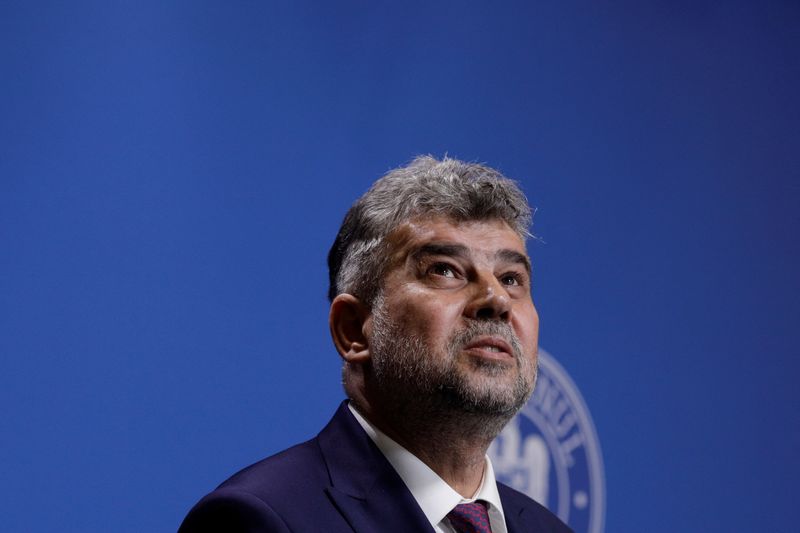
430	285
425	188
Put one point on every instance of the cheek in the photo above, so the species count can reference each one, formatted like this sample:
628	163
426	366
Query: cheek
527	328
429	320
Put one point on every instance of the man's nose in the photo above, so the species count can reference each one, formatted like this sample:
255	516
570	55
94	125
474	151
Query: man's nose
490	300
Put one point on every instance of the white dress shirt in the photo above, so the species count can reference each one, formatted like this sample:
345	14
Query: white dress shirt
433	494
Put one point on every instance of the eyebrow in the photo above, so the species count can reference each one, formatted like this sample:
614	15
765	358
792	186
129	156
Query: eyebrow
513	256
461	251
433	248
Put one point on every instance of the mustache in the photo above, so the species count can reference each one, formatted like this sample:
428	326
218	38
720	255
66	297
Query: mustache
480	328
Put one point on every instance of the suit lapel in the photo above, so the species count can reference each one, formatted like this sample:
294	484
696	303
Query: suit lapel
518	517
516	520
387	511
365	488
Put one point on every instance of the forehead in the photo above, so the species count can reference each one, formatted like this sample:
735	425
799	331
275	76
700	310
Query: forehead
480	237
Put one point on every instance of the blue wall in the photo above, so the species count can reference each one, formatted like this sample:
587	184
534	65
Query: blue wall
172	174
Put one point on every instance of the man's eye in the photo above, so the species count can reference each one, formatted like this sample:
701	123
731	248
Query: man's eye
511	279
442	269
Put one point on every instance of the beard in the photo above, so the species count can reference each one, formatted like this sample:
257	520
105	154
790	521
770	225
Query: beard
416	379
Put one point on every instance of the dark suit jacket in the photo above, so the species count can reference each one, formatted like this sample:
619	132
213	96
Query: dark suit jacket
338	482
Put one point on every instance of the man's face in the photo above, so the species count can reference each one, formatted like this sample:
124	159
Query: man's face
455	323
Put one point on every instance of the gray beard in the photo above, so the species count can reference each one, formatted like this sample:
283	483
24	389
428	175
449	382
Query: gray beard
418	385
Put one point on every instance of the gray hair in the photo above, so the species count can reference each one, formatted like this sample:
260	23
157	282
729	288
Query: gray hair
425	187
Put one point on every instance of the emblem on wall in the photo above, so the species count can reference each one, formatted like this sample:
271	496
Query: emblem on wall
550	451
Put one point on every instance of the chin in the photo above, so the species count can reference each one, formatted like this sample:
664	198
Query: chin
490	395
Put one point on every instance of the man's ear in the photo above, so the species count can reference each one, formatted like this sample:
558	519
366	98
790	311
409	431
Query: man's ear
346	319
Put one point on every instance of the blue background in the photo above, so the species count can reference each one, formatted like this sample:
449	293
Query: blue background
172	175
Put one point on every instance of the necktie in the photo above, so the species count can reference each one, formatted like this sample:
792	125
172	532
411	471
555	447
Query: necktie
470	518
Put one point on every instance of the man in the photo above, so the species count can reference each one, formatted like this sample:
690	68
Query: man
431	312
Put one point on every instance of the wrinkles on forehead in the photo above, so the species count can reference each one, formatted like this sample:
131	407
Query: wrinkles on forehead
417	234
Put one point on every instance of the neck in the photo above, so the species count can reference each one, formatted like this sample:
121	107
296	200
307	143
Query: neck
452	443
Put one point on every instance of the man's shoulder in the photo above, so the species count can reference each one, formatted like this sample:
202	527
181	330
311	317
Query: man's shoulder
515	503
285	472
275	494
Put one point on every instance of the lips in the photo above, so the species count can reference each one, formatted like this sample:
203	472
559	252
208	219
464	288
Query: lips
490	347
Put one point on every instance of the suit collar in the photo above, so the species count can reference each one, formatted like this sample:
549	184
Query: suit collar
430	491
521	515
364	486
371	496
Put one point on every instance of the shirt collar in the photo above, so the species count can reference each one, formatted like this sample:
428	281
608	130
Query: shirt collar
435	497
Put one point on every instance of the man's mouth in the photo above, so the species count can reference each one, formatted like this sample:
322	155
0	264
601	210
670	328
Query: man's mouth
490	347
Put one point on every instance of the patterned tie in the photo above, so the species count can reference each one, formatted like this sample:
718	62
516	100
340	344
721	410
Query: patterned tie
470	518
